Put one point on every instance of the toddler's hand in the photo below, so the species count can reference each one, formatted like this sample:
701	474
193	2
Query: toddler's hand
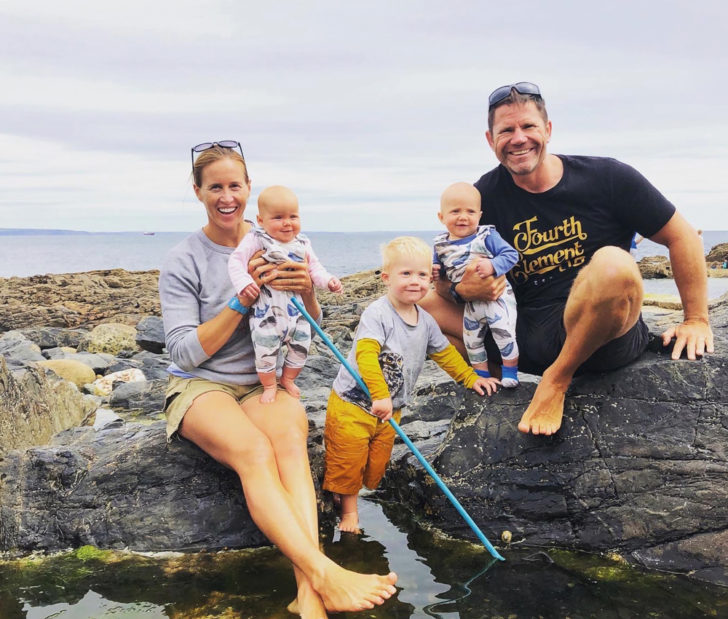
484	268
382	409
335	285
435	272
486	385
249	294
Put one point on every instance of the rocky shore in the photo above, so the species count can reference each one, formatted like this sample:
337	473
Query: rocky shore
640	467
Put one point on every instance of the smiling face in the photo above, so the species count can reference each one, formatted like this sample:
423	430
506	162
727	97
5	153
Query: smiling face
460	210
278	213
408	280
519	137
224	191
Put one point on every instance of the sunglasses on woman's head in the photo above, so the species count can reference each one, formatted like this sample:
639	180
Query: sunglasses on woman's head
208	145
522	88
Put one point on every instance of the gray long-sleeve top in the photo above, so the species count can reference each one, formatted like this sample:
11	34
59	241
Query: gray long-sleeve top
194	287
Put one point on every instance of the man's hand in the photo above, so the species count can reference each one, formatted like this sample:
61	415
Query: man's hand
693	336
249	294
486	385
382	409
435	272
473	287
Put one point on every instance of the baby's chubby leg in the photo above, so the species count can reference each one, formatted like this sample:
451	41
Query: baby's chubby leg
268	380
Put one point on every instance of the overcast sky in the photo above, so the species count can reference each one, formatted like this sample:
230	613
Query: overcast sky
367	110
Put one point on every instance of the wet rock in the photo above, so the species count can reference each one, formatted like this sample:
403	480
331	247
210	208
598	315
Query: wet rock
99	362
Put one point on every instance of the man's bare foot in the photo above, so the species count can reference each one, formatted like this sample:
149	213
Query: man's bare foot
269	395
290	387
544	413
350	523
344	590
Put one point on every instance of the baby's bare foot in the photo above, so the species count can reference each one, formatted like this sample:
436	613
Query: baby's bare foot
269	395
291	387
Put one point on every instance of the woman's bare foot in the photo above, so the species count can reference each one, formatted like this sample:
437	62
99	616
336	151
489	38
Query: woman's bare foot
290	387
269	395
308	604
350	523
344	590
544	413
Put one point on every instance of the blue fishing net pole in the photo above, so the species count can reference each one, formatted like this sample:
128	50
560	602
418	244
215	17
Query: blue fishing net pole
431	472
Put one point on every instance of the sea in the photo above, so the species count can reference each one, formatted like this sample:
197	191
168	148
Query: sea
25	252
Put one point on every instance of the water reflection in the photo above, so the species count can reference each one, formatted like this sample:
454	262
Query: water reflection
438	577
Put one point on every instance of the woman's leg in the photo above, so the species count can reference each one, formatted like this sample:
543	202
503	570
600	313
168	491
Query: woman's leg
217	425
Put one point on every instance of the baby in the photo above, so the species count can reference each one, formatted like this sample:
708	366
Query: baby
275	320
464	242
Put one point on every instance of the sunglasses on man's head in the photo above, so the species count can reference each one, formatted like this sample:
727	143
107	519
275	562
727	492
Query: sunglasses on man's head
222	143
523	88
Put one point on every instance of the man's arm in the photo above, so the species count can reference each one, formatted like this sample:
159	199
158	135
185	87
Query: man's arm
688	267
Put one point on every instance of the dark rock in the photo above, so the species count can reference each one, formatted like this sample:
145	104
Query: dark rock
639	467
124	487
18	350
141	396
54	337
150	334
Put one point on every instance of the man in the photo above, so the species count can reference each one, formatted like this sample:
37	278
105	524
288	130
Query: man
579	292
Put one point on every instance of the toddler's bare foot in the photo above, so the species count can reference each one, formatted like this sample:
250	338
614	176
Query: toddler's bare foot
544	413
350	523
290	387
344	590
269	395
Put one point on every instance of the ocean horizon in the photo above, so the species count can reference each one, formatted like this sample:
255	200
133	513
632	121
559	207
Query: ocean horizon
25	252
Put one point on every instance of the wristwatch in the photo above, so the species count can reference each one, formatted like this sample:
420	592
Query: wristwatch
235	304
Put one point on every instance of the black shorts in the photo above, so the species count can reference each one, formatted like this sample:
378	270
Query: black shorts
540	333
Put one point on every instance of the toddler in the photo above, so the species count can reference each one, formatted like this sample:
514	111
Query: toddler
275	320
464	242
390	345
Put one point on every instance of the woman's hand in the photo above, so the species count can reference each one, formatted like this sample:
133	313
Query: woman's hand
292	277
262	271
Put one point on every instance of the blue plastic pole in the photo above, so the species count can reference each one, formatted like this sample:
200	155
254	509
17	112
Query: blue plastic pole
461	510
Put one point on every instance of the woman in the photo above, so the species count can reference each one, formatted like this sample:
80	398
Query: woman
212	398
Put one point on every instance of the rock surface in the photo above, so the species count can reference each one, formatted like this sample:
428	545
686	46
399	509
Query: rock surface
640	466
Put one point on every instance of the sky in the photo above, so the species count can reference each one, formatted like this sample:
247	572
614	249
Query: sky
366	110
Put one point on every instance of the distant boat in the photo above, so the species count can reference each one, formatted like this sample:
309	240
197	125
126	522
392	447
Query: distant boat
148	233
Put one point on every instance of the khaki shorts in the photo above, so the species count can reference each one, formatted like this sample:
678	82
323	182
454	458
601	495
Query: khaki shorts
182	392
358	447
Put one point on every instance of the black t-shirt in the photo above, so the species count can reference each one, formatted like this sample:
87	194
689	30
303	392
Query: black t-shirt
598	202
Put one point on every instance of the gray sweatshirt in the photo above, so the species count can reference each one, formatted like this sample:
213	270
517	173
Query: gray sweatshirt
194	287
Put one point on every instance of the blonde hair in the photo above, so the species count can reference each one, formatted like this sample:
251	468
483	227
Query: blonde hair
405	247
211	155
